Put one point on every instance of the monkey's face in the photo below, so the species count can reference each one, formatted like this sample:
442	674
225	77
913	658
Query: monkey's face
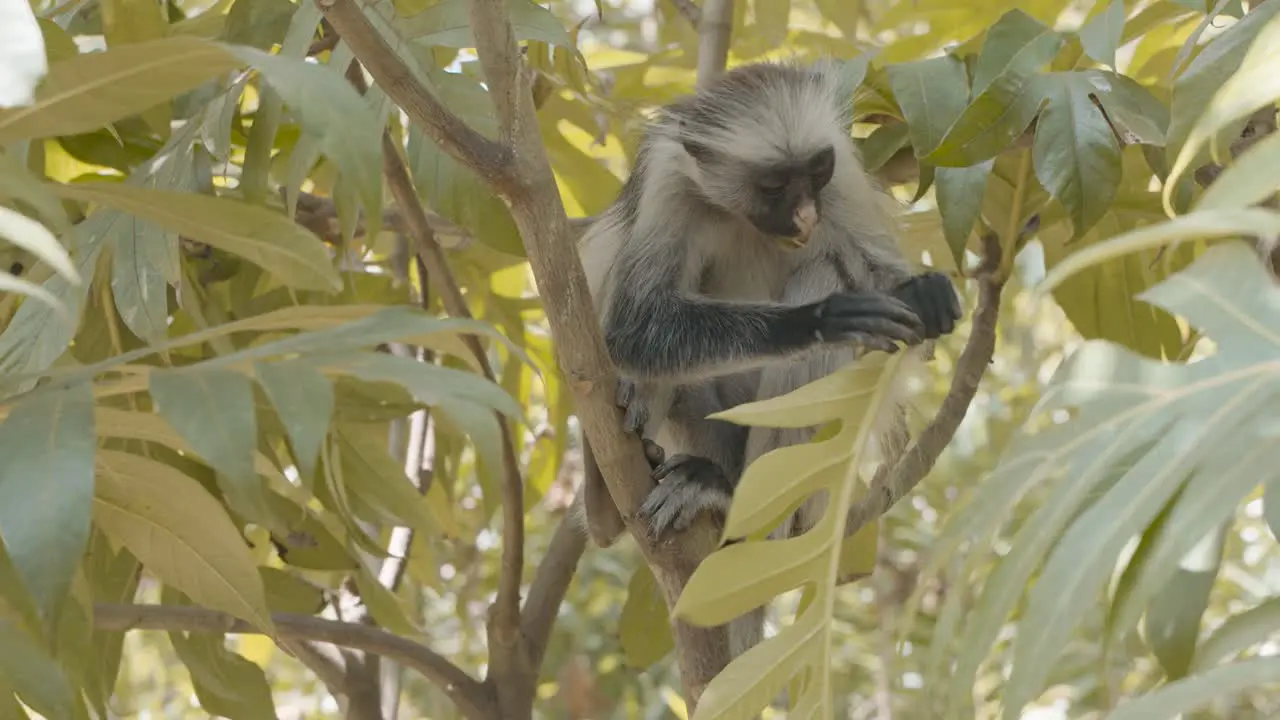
785	200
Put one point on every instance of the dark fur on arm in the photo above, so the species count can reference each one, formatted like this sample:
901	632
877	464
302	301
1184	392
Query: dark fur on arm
654	328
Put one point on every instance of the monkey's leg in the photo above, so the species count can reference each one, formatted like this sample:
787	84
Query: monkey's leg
602	520
702	472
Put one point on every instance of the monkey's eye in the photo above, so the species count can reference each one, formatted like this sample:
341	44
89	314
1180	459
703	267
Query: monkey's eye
772	185
822	165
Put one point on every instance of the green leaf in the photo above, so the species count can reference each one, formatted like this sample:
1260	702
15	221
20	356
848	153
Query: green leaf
371	473
214	410
180	533
1076	155
1017	44
1255	84
1250	179
1188	694
46	489
113	578
431	384
448	24
90	90
932	94
329	108
1271	507
20	184
225	683
258	23
1137	115
310	543
32	674
287	593
960	192
1172	625
37	240
643	628
1101	35
304	400
1195	226
1196	87
261	236
139	286
1239	632
991	123
461	196
882	144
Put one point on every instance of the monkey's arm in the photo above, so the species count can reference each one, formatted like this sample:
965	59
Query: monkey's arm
657	329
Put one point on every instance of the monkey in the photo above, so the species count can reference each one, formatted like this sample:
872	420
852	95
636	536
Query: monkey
747	254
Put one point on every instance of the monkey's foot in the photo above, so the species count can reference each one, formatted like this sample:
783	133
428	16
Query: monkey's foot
636	412
932	296
688	485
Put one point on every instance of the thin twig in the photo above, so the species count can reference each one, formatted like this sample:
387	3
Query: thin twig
397	174
467	692
888	487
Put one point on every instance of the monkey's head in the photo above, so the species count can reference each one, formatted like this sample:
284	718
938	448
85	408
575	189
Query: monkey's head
766	139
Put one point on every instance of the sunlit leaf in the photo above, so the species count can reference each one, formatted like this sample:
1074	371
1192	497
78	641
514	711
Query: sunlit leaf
1250	179
932	94
28	670
1188	694
1017	44
960	191
180	533
265	238
1076	155
304	400
1101	35
225	683
448	23
992	121
88	91
643	628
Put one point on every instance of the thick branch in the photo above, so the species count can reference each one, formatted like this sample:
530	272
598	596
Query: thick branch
539	214
549	585
688	10
446	129
467	692
888	487
715	23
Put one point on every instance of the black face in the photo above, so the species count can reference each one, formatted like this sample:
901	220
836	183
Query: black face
780	190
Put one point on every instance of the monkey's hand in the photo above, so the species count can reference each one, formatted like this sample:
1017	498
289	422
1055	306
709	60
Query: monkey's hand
874	320
934	299
688	485
635	409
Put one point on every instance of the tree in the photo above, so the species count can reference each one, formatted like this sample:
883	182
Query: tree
296	346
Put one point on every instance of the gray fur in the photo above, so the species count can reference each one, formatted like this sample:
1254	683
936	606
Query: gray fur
678	232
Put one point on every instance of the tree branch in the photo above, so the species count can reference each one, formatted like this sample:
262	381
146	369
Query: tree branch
549	585
888	487
715	23
467	692
688	10
486	157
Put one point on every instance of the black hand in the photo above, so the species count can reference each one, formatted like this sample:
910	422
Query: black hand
688	486
932	297
874	320
636	411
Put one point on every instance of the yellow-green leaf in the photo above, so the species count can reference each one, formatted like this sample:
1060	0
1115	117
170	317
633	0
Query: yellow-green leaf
180	533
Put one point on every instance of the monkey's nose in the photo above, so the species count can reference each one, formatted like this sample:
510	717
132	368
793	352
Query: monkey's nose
806	218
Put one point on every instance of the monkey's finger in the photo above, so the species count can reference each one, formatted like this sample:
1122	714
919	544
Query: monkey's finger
856	328
884	307
635	418
669	466
653	452
624	393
